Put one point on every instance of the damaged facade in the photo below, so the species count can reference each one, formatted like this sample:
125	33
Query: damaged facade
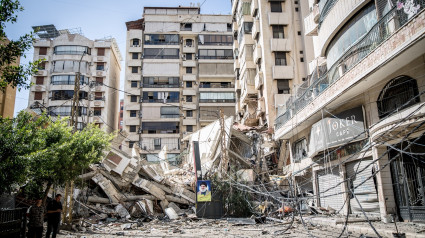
353	133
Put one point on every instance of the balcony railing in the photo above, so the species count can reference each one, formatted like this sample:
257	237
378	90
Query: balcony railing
216	85
160	100
379	33
160	85
217	100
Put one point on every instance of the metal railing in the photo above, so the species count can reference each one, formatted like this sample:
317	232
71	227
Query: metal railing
379	33
161	85
13	223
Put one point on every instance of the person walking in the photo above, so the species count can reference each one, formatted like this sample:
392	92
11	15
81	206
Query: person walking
54	210
36	216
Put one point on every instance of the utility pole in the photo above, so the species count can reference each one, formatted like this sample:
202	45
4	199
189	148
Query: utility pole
224	155
69	186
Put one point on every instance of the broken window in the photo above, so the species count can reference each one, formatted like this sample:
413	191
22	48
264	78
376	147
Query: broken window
300	150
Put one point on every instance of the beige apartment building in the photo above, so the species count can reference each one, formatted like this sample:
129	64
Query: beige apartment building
178	76
271	52
64	56
355	132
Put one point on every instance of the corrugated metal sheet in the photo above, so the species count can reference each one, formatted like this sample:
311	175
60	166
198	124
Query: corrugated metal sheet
328	180
366	193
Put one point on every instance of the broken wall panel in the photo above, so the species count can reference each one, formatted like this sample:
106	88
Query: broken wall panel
107	186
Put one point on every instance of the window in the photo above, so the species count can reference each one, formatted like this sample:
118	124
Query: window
134	84
97	111
245	29
186	26
280	58
134	69
189	42
302	59
135	55
42	51
188	98
135	42
278	32
71	50
67	80
283	86
162	39
296	9
301	52
276	6
401	92
160	53
157	143
188	84
300	150
42	65
160	127
188	70
38	96
133	98
189	113
161	97
170	112
161	82
189	128
299	33
98	96
101	52
215	40
100	66
99	80
215	54
216	97
133	129
39	80
131	144
189	56
133	113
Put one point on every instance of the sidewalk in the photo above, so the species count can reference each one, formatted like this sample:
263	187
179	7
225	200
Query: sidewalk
360	225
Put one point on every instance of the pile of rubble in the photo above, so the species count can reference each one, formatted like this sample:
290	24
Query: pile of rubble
125	187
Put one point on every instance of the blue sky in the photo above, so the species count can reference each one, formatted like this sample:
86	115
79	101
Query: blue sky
96	18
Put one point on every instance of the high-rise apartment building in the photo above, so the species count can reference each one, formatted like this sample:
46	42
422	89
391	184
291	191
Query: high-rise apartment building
64	56
354	134
271	52
179	75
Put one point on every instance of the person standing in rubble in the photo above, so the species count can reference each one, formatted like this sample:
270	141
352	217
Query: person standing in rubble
54	210
36	216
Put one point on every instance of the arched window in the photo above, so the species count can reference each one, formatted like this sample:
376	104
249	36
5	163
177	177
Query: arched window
399	93
135	42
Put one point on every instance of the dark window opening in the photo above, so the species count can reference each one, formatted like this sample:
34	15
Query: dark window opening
280	58
283	86
276	6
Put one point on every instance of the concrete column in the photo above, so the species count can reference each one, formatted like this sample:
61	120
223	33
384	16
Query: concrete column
315	187
344	188
386	197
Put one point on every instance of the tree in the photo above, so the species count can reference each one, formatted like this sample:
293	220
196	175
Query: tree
11	50
53	155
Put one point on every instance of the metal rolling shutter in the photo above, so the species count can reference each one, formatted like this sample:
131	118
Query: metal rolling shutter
328	180
366	193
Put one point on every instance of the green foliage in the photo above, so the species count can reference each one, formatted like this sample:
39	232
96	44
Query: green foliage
236	202
10	51
44	151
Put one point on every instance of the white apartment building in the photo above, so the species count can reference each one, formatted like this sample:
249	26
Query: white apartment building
271	52
64	55
355	132
179	75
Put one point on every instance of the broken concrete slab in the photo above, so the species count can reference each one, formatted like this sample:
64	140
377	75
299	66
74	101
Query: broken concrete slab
106	185
122	211
171	213
129	198
175	199
241	221
184	193
146	206
176	208
96	199
149	187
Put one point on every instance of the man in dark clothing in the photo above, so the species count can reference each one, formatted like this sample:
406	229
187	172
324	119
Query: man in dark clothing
54	210
36	215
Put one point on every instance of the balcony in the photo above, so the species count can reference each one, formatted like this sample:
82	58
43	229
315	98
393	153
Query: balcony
256	55
283	72
235	26
255	29
235	46
189	49
246	39
280	45
281	99
189	77
349	72
236	65
254	8
98	103
189	106
258	80
279	18
247	93
134	63
189	63
134	49
161	85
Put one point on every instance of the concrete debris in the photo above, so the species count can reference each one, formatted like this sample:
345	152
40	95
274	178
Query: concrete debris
171	213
